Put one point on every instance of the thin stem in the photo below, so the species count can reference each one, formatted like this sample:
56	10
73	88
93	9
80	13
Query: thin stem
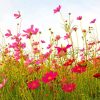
62	17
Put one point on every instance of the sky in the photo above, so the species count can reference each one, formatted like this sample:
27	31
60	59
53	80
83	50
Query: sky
40	13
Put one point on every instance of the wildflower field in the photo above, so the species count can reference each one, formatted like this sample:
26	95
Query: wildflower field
63	72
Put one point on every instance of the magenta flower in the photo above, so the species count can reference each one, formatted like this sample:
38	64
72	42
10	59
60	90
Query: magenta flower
78	69
79	18
33	84
17	15
49	46
59	49
17	56
57	9
23	45
31	31
49	76
8	34
42	41
93	21
68	87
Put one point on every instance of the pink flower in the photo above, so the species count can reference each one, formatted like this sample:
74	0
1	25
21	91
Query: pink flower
49	76
98	49
49	46
91	43
17	15
57	37
82	50
78	69
23	45
17	56
68	87
35	43
30	31
16	37
36	50
9	33
42	41
6	50
66	36
63	80
59	49
3	83
28	61
57	9
69	62
93	21
74	28
33	84
79	18
68	46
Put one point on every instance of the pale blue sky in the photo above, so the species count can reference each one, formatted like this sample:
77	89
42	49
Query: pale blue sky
40	13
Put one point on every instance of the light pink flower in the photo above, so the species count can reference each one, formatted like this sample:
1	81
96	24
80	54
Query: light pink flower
35	43
30	31
28	61
42	41
17	15
3	83
66	36
57	37
8	33
23	45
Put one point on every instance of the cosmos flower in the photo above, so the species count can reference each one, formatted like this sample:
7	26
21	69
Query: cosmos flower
96	75
69	62
68	87
28	61
82	63
57	9
93	21
78	69
66	36
42	41
30	31
79	18
57	37
33	84
59	49
49	76
49	46
17	15
8	34
74	29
